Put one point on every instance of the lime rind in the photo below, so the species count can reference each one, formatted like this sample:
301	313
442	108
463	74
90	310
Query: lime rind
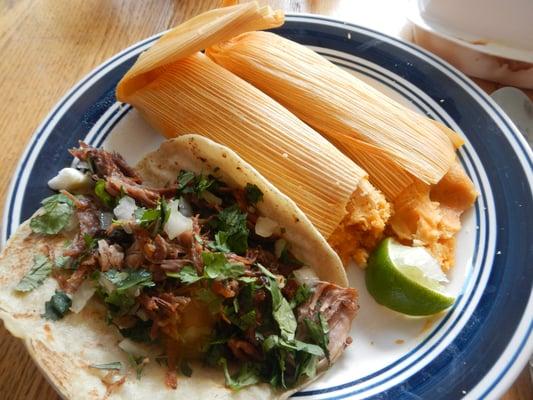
397	288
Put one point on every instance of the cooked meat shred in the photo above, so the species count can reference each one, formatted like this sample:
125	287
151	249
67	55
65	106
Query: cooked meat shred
109	256
338	306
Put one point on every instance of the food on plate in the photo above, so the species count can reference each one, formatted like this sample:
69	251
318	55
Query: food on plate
408	156
179	90
406	279
189	275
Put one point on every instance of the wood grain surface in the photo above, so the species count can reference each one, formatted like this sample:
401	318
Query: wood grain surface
46	46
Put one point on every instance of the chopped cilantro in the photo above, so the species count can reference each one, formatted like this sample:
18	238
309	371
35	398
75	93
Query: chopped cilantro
253	194
63	262
217	267
247	320
247	375
138	364
57	211
275	341
140	332
220	243
282	311
303	293
36	275
232	222
308	366
120	288
186	275
188	182
319	332
57	306
184	178
90	242
100	192
153	219
127	279
112	366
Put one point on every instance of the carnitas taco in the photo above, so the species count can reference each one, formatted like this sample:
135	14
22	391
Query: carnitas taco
189	275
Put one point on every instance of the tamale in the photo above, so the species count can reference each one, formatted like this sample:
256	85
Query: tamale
189	93
406	154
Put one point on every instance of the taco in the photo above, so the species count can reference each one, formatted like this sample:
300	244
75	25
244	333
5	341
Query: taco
189	275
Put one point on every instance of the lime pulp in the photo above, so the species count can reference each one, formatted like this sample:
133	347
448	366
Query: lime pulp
406	279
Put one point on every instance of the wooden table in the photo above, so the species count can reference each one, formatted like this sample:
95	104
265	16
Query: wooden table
46	46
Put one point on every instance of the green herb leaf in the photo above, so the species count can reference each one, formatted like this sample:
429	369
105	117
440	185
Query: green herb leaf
308	366
153	219
303	293
165	211
188	182
232	222
57	211
100	192
187	275
36	275
90	242
253	194
140	332
282	311
319	332
120	288
57	306
217	267
185	369
138	364
129	278
247	375
184	178
203	183
247	320
63	262
112	366
220	243
274	341
265	271
147	216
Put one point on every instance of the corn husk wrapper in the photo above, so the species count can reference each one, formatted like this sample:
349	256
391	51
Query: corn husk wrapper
196	95
371	126
194	35
181	92
409	157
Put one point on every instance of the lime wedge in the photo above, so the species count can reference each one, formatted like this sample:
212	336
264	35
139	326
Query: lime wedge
406	279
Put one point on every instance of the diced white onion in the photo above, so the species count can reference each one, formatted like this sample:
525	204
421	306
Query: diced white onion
305	275
135	349
82	296
106	219
125	209
184	207
265	227
177	223
69	179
